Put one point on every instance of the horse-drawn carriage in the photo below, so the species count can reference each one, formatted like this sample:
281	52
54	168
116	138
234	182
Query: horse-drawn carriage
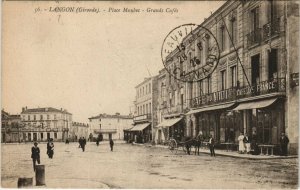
186	144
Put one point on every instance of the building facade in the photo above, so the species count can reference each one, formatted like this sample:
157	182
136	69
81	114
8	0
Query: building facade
144	114
78	130
109	126
41	124
254	88
10	127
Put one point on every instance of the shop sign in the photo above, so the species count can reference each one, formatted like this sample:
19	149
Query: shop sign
261	87
215	97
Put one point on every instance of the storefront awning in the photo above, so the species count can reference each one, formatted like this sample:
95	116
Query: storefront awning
169	122
217	107
255	104
140	127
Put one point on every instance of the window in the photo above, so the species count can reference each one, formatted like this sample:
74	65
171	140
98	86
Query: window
55	135
143	91
170	99
222	38
28	117
150	88
176	102
55	124
41	117
255	71
54	116
223	80
272	64
201	87
255	19
42	136
34	117
146	108
233	28
100	119
150	108
146	89
209	84
48	117
233	76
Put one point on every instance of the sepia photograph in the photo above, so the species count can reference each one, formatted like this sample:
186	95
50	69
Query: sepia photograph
150	94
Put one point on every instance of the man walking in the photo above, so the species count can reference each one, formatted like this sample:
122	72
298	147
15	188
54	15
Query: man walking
211	144
35	155
284	141
111	144
83	143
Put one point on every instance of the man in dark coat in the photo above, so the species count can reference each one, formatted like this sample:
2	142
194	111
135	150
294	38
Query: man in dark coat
83	143
284	141
211	143
35	155
111	144
80	142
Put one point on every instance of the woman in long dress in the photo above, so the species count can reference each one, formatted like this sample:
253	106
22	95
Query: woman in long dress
241	143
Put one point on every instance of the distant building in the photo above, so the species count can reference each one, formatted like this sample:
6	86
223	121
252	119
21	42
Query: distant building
78	130
145	112
41	124
110	126
10	126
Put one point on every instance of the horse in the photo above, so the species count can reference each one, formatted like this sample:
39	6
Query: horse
190	142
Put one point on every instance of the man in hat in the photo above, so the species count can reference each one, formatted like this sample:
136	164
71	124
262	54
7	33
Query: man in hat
284	141
35	155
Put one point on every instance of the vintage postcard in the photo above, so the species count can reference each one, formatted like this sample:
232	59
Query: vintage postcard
150	94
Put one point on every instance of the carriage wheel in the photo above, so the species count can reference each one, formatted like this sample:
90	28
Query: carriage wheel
173	146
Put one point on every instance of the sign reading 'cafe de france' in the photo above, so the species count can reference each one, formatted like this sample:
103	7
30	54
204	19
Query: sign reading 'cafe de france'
233	93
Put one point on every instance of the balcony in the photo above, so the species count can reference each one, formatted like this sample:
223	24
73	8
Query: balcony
254	37
232	94
271	29
145	117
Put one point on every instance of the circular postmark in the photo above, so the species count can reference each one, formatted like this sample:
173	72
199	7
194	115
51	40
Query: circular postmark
190	53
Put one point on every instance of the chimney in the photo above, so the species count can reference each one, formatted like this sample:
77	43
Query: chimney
26	108
23	109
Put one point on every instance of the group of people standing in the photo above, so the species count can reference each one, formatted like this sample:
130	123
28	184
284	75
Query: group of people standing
82	143
249	145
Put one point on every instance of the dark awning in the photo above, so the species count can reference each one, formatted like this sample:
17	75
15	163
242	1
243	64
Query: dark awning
140	127
255	104
210	108
169	122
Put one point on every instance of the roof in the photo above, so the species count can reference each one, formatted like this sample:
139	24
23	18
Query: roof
112	116
48	109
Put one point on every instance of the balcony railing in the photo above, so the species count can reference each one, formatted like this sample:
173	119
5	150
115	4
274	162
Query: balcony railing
254	37
264	87
142	117
105	131
271	29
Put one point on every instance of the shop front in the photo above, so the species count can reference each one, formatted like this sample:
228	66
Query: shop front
170	128
216	120
264	120
140	133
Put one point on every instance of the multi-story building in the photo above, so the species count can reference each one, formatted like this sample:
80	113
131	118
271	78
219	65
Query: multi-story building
144	115
10	127
41	124
110	126
254	88
78	130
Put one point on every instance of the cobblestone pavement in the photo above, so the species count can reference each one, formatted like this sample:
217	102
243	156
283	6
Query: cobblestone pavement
144	167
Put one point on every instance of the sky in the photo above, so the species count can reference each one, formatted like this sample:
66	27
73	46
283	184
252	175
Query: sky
88	63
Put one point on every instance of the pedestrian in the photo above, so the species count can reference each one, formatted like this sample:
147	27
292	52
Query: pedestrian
35	155
50	148
111	144
241	143
284	141
247	142
97	141
83	143
211	144
80	142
